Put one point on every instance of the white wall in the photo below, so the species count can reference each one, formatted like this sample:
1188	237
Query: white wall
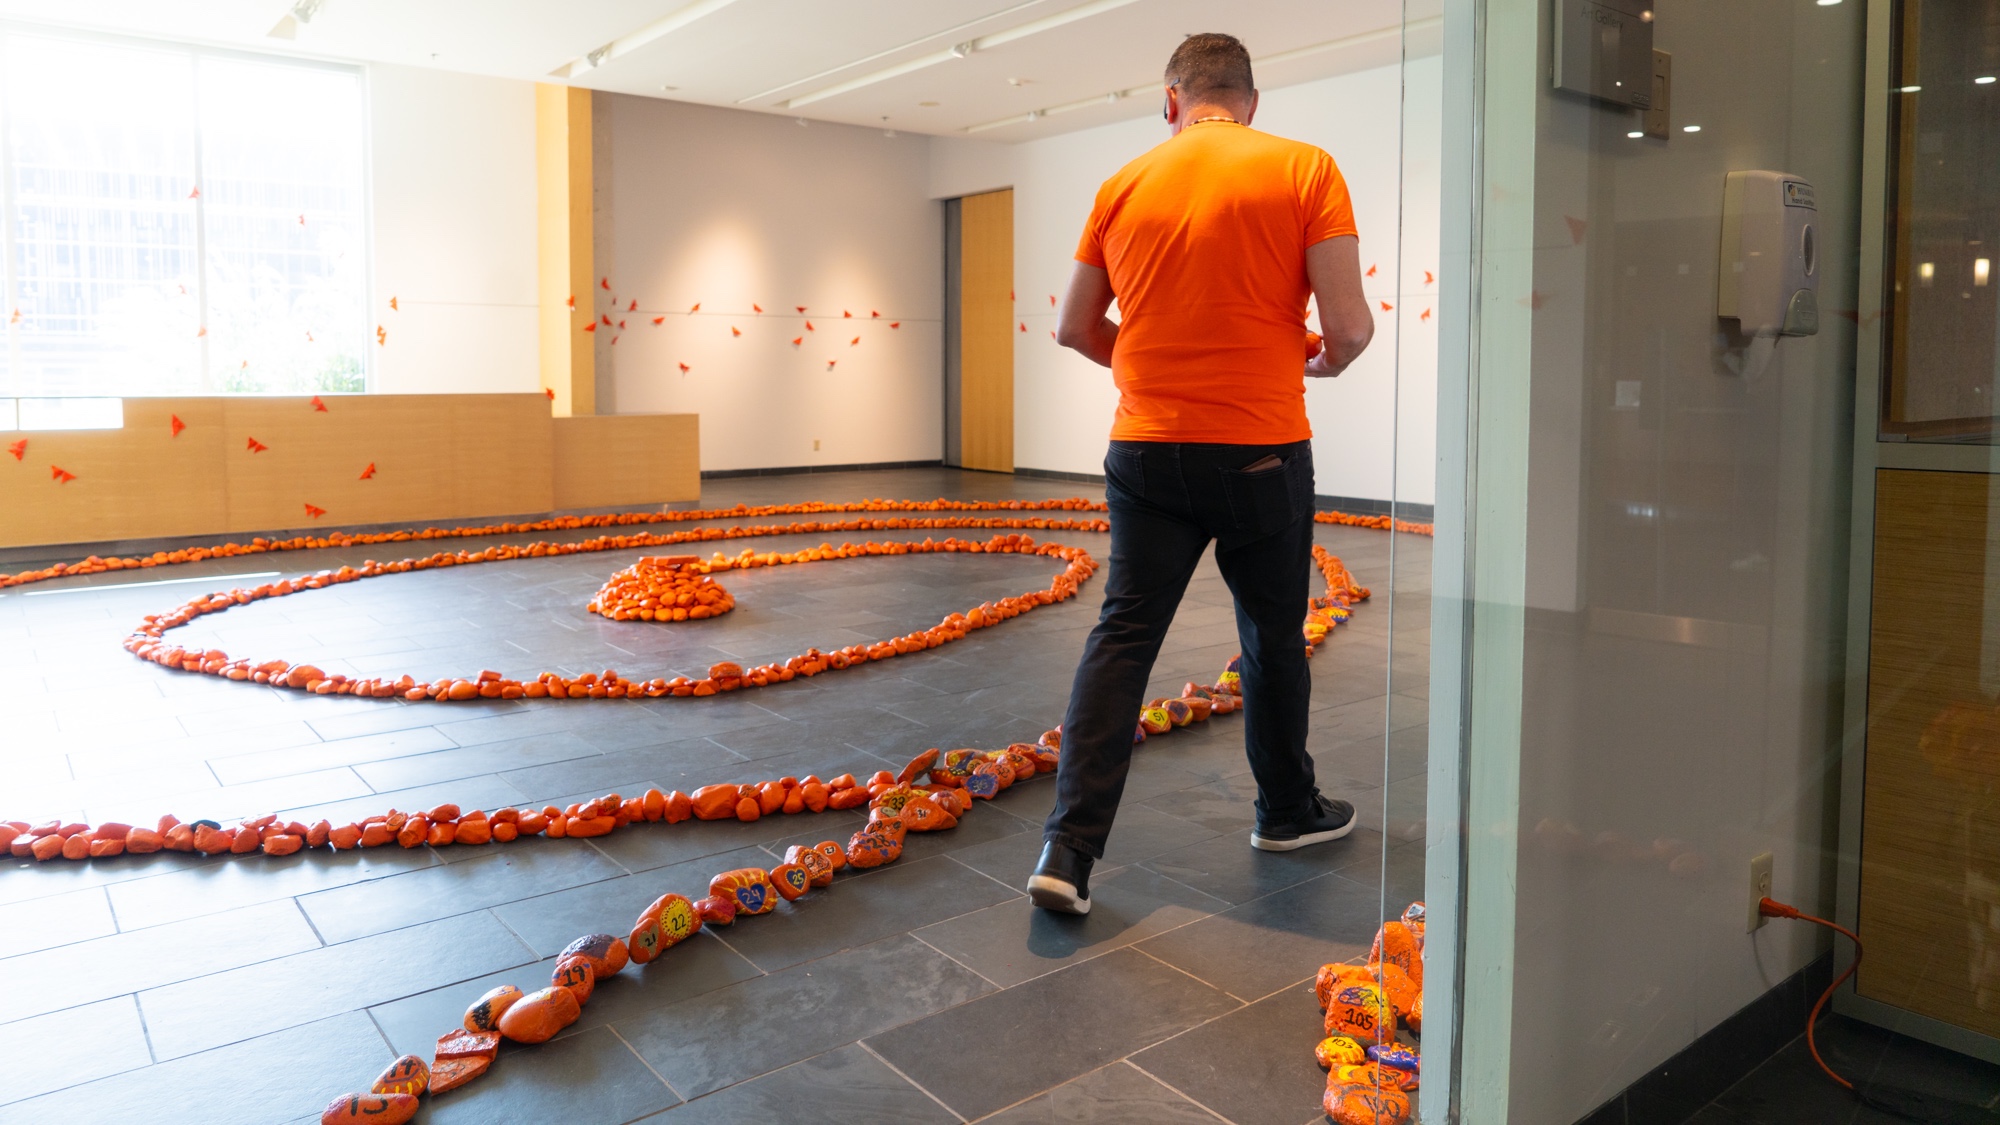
728	209
1374	434
452	171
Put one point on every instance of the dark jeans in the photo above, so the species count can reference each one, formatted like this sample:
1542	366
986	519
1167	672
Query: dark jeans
1167	502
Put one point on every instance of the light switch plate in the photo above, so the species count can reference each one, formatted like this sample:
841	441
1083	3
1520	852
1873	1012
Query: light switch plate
1658	115
1604	50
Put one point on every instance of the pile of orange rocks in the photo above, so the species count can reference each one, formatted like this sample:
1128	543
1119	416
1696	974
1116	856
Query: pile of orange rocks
673	588
1371	1071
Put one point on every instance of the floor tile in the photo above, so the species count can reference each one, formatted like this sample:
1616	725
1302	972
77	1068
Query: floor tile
725	1036
1293	931
1229	868
411	770
1254	1065
245	881
837	1088
591	1078
549	922
86	971
505	873
1084	1017
238	1004
45	923
71	1047
1015	941
1119	1092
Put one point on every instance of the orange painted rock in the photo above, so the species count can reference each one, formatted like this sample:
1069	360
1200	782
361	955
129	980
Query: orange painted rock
714	802
1362	1011
407	1075
536	1017
485	1013
467	1045
749	888
835	855
369	1109
664	923
791	880
574	973
1333	975
925	814
716	910
1398	987
1395	944
450	1074
872	848
1355	1103
919	765
819	869
606	954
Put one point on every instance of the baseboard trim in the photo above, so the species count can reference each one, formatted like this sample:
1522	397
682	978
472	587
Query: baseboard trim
1676	1089
1058	474
796	470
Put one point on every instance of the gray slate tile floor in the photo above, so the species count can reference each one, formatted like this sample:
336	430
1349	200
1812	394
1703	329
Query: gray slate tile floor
255	990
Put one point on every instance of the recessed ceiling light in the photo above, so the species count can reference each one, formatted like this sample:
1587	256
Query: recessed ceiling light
669	88
1635	133
1827	3
1983	80
928	105
1908	89
1690	128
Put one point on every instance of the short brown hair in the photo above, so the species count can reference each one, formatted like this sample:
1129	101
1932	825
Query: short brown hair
1210	65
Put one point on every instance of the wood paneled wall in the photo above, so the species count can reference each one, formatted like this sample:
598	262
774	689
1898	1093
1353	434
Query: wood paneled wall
986	331
1930	835
435	457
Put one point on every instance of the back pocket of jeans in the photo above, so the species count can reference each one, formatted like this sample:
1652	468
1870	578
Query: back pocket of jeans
1263	502
1125	470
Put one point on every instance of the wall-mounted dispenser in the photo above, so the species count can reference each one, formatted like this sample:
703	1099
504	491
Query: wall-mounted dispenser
1769	267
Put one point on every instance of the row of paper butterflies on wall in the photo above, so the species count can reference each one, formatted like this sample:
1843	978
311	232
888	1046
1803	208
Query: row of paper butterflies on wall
60	475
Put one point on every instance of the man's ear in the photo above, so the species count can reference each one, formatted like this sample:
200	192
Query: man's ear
1172	112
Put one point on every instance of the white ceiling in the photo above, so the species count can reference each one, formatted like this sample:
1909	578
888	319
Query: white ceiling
1036	55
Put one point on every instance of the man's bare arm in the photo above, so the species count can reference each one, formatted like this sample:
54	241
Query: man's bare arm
1345	324
1082	324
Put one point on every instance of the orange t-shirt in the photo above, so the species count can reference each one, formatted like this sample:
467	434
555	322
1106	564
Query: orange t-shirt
1205	240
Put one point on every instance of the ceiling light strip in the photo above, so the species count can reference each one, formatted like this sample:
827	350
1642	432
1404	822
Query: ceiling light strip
896	50
961	50
633	40
1362	39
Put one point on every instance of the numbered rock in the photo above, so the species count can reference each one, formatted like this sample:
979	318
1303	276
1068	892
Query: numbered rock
749	888
819	869
575	974
1338	1051
407	1075
1362	1011
665	923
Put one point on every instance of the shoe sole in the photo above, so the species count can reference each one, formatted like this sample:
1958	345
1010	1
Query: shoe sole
1268	844
1054	894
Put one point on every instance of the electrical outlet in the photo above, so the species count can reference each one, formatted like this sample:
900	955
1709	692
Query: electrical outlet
1760	889
815	445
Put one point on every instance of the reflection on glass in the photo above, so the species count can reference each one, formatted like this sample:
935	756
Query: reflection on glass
1943	366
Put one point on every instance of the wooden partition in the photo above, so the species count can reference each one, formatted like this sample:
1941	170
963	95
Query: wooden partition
434	457
1930	837
986	331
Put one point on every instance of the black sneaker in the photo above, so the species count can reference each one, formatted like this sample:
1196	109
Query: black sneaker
1061	880
1326	819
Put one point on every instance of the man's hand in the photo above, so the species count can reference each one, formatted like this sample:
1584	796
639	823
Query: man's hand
1082	325
1345	322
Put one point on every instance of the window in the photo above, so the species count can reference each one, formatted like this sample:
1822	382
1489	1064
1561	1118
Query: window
179	221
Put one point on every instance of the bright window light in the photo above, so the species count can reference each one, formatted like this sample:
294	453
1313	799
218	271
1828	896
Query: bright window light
72	414
182	222
1981	270
7	414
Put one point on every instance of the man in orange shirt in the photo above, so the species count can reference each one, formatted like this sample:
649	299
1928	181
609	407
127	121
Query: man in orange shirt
1210	244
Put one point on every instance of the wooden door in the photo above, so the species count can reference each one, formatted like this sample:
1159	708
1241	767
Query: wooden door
986	331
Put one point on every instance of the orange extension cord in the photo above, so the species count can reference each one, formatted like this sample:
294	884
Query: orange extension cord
1771	908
